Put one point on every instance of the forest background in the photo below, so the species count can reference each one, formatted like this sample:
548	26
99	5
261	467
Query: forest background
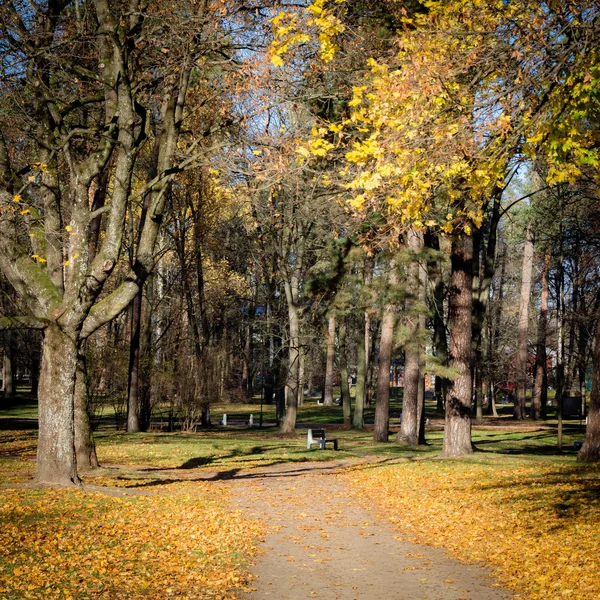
207	199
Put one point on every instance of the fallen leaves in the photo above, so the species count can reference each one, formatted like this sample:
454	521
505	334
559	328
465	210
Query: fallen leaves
535	523
177	541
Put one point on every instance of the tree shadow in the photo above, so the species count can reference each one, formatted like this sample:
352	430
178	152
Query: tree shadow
578	488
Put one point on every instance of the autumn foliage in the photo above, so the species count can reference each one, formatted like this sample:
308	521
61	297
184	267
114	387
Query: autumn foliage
534	522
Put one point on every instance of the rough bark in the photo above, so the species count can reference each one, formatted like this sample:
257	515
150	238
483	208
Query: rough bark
540	390
386	347
329	363
457	430
85	448
524	299
56	458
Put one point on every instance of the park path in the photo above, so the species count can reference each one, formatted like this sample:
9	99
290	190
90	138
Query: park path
322	544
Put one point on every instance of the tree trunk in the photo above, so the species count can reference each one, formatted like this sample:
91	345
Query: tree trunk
7	368
288	425
133	422
329	364
344	385
457	430
440	342
358	420
590	451
85	447
409	428
522	352
497	320
386	347
56	458
540	392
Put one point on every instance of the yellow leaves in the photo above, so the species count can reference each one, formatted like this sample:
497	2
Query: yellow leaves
68	229
357	95
17	198
69	544
511	520
38	258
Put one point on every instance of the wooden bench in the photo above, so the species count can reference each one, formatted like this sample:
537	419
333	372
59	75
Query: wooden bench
237	420
317	436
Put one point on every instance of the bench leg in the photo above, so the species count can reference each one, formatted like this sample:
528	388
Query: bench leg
322	444
335	442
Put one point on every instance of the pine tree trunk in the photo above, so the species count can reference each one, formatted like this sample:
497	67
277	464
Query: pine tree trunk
457	430
590	451
386	346
329	363
539	396
522	352
409	428
56	458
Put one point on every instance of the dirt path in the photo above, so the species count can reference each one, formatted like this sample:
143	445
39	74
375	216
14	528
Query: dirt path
322	545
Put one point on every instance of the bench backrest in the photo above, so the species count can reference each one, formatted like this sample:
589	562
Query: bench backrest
318	434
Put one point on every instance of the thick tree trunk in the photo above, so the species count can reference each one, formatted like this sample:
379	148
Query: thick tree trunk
85	447
522	352
540	391
56	458
457	431
590	451
386	347
409	428
358	420
344	385
329	363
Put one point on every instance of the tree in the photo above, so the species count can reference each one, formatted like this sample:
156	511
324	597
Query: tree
93	88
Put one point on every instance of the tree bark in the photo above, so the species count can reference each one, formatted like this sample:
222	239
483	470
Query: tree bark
292	383
85	447
409	428
540	391
590	451
329	363
386	347
522	352
56	457
457	430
